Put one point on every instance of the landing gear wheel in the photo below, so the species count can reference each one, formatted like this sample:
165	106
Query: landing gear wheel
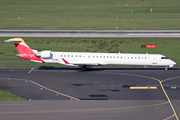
166	68
83	68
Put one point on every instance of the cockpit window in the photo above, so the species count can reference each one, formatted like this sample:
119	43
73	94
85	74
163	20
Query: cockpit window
164	58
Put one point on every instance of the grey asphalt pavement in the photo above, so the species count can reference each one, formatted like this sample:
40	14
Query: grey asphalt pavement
92	33
101	93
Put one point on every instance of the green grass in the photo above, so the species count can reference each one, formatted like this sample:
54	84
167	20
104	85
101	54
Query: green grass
167	47
6	96
90	14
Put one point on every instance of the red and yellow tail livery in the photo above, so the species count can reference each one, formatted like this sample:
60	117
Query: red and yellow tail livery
24	50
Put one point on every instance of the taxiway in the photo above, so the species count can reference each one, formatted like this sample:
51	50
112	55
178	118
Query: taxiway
98	93
92	33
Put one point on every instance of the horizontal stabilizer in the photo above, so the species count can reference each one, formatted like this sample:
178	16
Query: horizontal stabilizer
12	40
16	40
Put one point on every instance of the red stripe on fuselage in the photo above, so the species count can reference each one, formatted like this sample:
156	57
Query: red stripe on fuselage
26	53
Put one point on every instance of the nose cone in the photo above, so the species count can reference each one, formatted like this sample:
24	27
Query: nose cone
172	63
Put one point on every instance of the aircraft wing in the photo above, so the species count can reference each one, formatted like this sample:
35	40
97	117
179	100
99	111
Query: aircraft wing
90	64
81	63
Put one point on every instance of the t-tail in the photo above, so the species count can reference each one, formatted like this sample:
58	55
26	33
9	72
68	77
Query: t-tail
24	50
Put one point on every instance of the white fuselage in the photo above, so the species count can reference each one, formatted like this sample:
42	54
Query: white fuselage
83	58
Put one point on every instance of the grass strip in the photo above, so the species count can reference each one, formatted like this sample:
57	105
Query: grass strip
90	15
6	96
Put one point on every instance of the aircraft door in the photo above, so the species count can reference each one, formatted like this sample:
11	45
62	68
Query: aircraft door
154	61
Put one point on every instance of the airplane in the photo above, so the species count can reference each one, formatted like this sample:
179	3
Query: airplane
84	59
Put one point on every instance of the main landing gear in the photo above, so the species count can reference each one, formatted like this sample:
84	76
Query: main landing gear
83	68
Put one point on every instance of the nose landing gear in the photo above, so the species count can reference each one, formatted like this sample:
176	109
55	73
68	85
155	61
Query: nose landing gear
166	68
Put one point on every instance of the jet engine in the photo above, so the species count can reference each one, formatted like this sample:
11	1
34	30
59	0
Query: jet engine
44	54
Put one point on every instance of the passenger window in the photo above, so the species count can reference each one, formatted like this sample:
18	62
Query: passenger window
64	55
71	55
68	55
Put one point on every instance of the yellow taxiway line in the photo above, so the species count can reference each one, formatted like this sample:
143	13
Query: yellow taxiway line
31	70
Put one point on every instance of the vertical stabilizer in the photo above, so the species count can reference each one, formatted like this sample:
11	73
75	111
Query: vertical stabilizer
21	46
24	50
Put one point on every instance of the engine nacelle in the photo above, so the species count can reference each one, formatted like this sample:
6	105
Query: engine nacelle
44	54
